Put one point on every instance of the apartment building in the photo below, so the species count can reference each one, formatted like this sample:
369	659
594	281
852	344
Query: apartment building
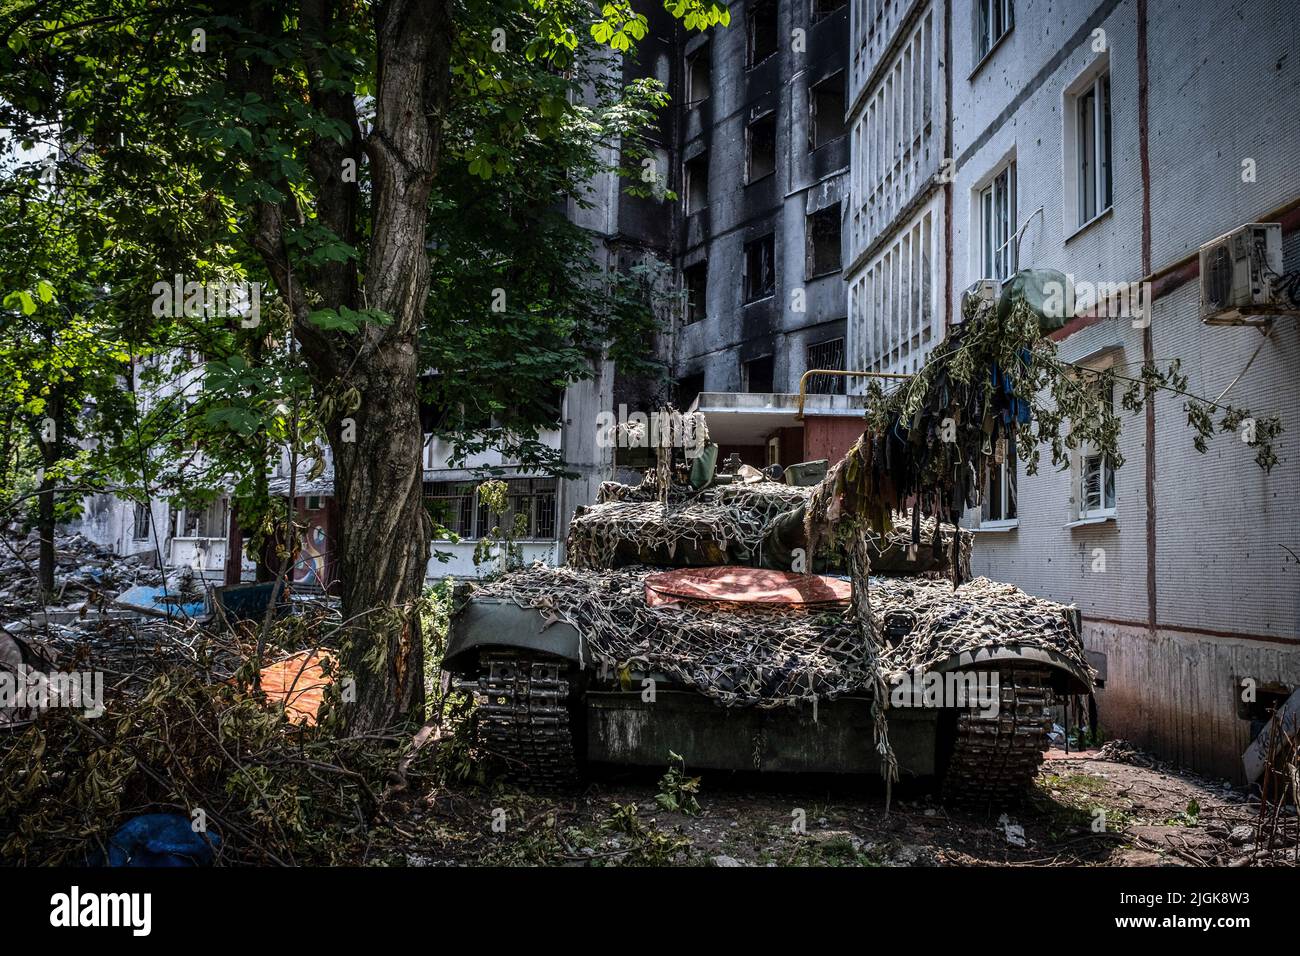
1109	140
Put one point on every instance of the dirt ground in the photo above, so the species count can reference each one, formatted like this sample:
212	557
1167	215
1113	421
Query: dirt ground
1087	809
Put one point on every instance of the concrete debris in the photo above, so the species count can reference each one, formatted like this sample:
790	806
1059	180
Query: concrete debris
1015	833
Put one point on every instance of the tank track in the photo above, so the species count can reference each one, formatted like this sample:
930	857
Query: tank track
523	716
995	758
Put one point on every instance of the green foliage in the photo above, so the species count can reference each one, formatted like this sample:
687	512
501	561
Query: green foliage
650	846
677	792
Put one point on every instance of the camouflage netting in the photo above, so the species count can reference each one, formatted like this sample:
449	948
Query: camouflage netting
770	656
755	523
979	615
751	655
719	525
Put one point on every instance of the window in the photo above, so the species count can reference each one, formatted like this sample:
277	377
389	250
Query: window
824	8
997	213
823	228
532	506
688	390
826	109
760	268
140	524
1096	487
313	503
451	505
827	355
1092	149
996	18
697	77
758	374
761	31
695	183
1095	473
1000	496
760	148
204	522
695	281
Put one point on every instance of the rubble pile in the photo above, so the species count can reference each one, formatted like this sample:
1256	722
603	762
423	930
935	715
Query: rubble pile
85	574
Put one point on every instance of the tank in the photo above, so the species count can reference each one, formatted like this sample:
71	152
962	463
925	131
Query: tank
691	619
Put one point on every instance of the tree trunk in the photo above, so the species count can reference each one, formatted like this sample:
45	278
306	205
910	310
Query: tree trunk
45	526
50	452
383	534
378	482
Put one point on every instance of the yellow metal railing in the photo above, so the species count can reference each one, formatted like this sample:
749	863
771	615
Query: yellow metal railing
803	381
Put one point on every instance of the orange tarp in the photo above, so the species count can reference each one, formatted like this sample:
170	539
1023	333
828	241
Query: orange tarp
743	585
298	683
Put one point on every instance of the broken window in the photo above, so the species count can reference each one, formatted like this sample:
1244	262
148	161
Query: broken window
823	229
826	106
697	77
688	390
760	268
695	185
695	280
760	148
140	524
761	36
757	374
827	355
203	522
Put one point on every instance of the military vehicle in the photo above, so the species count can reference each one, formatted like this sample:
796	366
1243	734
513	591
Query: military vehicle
817	619
685	623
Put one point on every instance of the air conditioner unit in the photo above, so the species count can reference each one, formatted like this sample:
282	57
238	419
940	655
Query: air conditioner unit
1238	271
979	295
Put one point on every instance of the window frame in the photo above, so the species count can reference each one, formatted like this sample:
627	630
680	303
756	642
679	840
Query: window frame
1008	488
825	384
751	15
813	143
1084	455
1093	173
750	178
810	226
702	55
695	311
141	511
688	177
748	295
1000	184
746	374
986	40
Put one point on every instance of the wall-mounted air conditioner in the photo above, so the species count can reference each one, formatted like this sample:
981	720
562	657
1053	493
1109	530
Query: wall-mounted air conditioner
1239	273
979	295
